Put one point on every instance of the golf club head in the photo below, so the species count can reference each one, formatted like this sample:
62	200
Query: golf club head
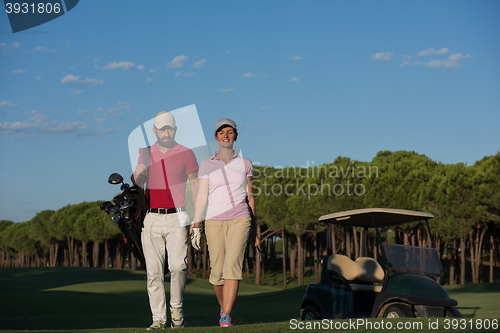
105	206
124	206
116	218
126	197
118	199
115	178
125	187
127	217
113	209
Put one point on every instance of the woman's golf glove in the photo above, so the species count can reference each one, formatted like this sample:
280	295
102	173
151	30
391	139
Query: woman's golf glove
196	236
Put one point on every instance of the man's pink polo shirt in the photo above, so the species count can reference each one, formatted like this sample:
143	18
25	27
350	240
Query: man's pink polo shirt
227	186
168	174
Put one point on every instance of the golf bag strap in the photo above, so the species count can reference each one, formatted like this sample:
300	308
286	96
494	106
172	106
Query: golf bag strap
146	160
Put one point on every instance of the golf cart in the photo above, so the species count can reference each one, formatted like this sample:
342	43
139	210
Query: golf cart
407	287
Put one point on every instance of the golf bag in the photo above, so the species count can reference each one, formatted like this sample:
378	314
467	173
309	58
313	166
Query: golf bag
131	223
129	210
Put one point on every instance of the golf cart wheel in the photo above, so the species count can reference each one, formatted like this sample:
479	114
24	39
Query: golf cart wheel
398	311
311	312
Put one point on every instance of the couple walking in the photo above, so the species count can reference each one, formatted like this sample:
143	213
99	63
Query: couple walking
224	181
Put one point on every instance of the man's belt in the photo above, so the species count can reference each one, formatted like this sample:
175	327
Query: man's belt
167	210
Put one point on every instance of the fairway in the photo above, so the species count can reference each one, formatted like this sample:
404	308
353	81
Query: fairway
86	300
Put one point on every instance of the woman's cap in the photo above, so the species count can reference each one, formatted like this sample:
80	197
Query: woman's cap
163	119
224	122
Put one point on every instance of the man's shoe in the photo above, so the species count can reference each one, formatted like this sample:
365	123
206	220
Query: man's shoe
157	325
225	320
177	317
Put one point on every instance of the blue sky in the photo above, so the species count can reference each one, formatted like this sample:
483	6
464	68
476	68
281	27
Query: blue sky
305	82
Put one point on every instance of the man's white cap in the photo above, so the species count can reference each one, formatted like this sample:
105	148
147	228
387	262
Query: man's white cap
224	122
163	119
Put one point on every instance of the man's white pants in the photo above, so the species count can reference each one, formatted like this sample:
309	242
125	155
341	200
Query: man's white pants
162	230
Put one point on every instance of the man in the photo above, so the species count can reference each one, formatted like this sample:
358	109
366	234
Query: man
166	221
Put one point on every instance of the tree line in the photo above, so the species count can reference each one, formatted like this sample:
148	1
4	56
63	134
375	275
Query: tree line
465	201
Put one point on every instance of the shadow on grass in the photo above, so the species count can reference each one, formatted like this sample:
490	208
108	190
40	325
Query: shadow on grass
88	298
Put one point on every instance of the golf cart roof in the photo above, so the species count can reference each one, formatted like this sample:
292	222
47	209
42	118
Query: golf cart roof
383	217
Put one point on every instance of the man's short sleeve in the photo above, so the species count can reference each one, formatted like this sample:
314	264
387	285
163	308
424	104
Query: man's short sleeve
191	164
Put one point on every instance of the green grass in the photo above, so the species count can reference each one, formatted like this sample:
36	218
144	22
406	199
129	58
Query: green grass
109	300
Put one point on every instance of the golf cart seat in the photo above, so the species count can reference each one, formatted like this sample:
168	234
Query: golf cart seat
366	271
371	271
344	266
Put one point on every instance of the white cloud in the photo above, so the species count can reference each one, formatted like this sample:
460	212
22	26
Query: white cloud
74	80
149	79
102	132
43	49
252	75
18	71
265	107
294	79
39	120
18	126
296	57
77	92
458	56
177	62
124	65
383	56
70	79
241	124
442	63
11	46
431	51
152	70
37	117
40	49
100	120
54	127
411	63
113	111
185	74
8	103
67	43
82	111
226	90
140	66
452	61
92	82
200	63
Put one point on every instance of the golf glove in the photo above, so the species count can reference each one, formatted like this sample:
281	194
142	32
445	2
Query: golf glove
196	237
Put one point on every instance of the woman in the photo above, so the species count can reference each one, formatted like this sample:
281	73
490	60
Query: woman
225	179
